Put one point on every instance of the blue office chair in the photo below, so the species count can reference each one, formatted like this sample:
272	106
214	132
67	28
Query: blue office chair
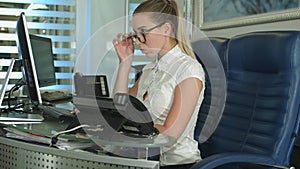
208	51
261	118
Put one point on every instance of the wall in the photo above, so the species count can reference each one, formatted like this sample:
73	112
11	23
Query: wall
94	14
284	25
98	22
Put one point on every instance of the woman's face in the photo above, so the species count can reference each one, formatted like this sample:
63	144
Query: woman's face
154	38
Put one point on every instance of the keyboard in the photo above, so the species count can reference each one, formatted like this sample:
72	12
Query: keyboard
56	112
55	96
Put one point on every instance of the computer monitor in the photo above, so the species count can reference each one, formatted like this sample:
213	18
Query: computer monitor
26	55
43	59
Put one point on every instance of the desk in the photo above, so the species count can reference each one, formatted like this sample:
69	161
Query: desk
19	154
135	147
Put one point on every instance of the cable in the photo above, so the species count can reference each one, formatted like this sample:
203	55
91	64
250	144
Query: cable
54	138
19	84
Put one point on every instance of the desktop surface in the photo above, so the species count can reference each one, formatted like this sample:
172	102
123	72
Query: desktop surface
116	144
48	127
51	125
101	142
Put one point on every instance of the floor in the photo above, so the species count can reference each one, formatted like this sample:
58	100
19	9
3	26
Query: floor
295	157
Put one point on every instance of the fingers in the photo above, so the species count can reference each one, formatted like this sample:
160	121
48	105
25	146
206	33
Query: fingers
129	38
75	111
122	38
116	40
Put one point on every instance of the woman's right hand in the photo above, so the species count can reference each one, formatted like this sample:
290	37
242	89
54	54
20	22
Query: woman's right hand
124	47
75	111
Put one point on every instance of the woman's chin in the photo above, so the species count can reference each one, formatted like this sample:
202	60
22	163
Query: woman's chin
149	55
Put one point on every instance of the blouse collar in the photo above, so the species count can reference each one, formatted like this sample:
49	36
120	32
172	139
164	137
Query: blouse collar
173	54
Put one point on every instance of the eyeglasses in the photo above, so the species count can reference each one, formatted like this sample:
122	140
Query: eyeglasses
141	35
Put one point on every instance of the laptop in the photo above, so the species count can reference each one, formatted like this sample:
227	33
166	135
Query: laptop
15	117
6	79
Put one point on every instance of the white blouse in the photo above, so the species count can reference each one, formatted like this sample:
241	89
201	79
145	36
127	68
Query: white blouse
158	80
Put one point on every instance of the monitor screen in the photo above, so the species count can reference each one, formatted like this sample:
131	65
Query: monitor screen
43	59
26	55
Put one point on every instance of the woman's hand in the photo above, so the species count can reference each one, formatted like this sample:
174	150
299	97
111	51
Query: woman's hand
75	111
124	47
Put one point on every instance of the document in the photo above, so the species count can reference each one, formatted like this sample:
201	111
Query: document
64	142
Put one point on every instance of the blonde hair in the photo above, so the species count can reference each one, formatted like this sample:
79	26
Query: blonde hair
171	13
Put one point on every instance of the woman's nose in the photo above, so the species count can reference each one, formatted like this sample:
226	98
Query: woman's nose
137	42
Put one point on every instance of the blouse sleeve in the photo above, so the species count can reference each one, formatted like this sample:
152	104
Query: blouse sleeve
191	69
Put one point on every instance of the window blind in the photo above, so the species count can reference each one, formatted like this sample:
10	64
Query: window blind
55	19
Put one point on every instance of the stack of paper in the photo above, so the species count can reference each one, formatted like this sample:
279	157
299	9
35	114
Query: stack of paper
64	142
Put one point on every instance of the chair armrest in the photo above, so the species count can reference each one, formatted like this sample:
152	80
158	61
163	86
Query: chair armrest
226	158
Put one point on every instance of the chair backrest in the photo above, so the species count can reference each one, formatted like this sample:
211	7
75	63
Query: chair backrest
207	48
261	113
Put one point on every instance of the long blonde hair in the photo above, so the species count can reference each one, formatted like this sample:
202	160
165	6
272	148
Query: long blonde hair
168	11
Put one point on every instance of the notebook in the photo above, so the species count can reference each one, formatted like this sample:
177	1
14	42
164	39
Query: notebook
6	79
20	118
15	117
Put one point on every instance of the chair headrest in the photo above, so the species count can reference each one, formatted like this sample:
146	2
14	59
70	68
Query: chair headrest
210	50
265	52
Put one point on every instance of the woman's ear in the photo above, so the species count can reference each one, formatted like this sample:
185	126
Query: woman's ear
168	29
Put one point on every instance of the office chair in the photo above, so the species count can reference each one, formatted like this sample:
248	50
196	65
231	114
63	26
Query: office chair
261	117
211	54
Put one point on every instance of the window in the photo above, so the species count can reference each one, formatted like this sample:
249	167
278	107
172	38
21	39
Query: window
54	19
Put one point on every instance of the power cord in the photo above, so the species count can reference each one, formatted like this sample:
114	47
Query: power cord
54	138
19	84
91	128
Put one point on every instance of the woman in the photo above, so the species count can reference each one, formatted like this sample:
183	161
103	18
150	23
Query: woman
171	86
